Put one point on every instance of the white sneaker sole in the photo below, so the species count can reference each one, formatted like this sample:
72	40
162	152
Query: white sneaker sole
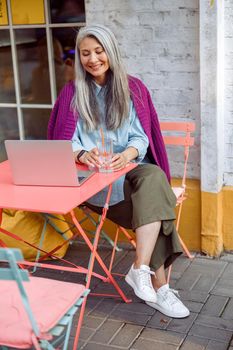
139	294
166	312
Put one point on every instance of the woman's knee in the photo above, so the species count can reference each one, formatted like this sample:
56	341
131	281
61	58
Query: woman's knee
153	172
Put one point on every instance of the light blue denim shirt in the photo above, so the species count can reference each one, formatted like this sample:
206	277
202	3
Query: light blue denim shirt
130	134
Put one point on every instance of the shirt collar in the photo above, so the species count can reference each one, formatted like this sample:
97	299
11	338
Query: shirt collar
99	88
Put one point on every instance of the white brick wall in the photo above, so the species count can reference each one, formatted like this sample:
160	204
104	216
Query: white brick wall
228	102
159	41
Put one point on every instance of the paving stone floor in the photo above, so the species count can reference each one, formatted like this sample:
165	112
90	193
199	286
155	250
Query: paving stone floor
204	284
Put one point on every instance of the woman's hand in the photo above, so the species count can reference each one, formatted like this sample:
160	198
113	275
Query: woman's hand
119	161
91	158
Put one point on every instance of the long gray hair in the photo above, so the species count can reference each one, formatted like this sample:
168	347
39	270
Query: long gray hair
117	95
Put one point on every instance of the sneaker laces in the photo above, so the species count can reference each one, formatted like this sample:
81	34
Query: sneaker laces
174	291
145	278
171	295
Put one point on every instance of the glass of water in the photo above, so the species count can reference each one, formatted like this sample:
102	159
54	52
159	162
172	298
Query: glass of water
105	148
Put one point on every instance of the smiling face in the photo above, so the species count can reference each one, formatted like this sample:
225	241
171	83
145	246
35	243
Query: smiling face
94	59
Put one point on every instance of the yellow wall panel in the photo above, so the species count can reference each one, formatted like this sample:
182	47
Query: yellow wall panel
190	221
3	13
212	223
228	217
27	11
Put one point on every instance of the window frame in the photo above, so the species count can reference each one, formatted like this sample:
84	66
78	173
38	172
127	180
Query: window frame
48	29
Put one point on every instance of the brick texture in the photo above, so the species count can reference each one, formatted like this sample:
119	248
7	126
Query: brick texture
159	42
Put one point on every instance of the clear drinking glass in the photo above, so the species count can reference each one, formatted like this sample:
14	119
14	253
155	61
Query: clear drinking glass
105	148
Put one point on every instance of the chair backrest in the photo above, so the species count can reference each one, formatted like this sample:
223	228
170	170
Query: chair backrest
13	272
179	134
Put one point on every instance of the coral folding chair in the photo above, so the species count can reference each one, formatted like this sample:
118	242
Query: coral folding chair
175	134
178	134
35	312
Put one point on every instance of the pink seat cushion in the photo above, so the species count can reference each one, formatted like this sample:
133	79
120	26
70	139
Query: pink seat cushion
49	300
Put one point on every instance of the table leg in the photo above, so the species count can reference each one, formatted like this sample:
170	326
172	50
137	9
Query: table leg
95	255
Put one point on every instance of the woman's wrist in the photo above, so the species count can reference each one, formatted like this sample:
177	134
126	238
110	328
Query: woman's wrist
80	156
130	153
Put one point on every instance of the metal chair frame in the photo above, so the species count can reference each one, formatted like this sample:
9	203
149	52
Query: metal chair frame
61	332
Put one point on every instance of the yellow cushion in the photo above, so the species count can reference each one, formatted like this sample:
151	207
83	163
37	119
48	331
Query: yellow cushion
28	226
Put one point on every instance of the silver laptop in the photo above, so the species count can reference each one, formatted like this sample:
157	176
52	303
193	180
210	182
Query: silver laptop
44	163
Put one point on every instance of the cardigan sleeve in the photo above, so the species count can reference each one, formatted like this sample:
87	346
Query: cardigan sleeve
52	121
158	139
150	122
61	121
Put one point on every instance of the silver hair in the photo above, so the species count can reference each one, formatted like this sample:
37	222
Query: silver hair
117	95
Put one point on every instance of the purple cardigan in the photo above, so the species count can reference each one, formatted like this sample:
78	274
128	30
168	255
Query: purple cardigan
62	121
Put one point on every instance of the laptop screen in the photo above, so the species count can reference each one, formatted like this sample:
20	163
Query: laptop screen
43	162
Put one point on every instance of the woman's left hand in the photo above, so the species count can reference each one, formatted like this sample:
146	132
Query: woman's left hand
119	161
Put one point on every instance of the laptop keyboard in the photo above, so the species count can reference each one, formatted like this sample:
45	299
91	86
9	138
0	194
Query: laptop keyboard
81	178
83	174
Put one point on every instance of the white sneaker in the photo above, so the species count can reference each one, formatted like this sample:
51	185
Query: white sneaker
168	304
140	281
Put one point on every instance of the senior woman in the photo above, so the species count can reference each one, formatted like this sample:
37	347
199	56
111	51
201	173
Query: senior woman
104	97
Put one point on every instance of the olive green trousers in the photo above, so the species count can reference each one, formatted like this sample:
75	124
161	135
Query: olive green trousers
148	198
